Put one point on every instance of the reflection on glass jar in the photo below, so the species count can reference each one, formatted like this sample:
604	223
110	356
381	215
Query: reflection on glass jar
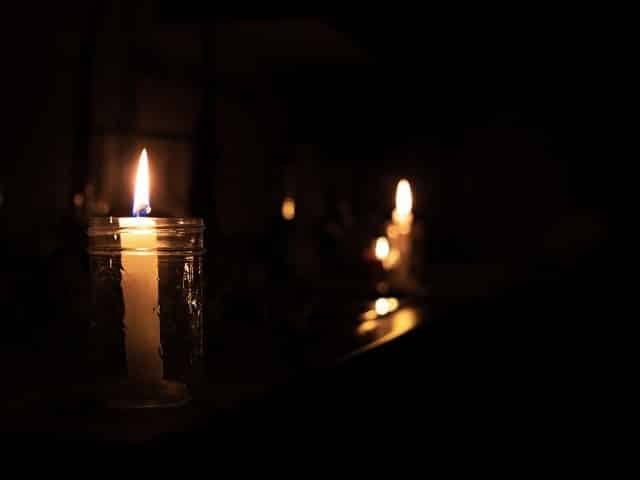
147	327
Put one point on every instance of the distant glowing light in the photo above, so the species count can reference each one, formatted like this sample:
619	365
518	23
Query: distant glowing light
382	248
288	208
385	305
401	215
404	198
78	200
382	306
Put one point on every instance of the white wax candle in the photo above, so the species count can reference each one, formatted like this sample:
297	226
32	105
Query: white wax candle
141	307
399	233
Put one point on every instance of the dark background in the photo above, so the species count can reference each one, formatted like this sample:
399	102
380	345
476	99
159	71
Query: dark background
498	123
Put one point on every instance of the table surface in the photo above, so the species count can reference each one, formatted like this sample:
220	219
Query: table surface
243	367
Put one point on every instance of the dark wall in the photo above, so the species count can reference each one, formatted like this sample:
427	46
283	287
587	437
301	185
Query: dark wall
498	130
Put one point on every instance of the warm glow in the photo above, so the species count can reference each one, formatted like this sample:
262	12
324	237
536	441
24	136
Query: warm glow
390	327
288	208
391	260
382	248
402	216
393	303
385	305
404	199
370	315
367	326
382	306
141	205
402	322
139	235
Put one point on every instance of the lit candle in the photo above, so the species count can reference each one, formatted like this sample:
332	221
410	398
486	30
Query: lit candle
138	240
382	248
402	216
399	233
288	209
387	256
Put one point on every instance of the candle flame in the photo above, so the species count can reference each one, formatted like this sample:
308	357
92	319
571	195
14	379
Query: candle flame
401	321
141	205
404	198
288	208
382	306
382	248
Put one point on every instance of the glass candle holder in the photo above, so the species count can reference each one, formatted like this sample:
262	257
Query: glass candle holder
146	333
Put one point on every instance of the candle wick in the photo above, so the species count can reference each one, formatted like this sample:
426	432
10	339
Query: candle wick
142	212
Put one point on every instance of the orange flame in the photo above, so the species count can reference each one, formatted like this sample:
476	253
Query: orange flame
141	204
288	208
404	198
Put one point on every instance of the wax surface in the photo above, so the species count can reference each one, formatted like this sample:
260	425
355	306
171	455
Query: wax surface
401	272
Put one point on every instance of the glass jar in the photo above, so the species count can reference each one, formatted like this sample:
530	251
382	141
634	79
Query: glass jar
146	332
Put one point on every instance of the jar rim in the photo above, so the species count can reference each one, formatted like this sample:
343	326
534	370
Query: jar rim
100	226
114	222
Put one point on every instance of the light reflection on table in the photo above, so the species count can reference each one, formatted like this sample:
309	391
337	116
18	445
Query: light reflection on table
384	328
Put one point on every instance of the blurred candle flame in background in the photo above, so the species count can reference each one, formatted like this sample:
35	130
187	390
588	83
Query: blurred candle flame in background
382	306
382	248
385	305
399	232
404	199
385	254
402	216
394	323
289	208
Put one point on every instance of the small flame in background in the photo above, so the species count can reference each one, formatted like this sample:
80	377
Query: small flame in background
288	208
381	307
382	248
385	254
404	198
141	204
384	305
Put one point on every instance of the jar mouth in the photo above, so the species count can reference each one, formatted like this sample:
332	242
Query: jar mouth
104	225
114	222
174	235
